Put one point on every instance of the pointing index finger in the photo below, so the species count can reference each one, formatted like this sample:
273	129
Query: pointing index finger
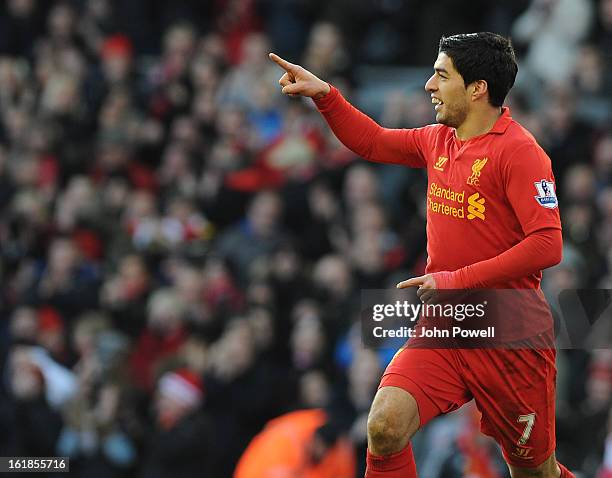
284	64
415	281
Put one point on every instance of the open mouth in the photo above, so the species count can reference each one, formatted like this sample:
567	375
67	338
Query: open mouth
437	102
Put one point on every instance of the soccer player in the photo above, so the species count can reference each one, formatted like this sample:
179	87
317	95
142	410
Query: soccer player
492	222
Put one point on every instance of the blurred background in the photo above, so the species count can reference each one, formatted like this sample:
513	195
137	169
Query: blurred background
182	248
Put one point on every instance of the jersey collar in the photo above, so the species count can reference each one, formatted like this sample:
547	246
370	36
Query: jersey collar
502	123
500	126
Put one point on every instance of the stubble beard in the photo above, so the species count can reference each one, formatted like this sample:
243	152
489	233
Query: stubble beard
453	118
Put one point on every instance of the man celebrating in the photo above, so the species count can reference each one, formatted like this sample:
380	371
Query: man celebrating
492	222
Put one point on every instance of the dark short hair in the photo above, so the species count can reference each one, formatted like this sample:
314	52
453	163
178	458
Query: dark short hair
483	56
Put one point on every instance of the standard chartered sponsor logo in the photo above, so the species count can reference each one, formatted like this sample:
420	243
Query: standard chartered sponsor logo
476	207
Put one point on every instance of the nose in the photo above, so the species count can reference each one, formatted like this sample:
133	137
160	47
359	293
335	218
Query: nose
430	85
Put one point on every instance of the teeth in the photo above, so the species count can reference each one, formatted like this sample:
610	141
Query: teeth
436	101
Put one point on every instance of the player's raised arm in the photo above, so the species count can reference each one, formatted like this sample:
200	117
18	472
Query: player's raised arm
358	132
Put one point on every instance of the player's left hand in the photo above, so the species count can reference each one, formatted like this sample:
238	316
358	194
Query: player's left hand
427	288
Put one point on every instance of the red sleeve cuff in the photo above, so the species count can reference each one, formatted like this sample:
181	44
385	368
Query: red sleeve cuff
326	101
446	280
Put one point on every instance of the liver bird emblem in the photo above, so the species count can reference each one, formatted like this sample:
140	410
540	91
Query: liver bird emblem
476	171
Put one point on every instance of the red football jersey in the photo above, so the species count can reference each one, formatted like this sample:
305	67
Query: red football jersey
484	195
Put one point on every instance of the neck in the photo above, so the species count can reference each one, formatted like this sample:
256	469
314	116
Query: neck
478	122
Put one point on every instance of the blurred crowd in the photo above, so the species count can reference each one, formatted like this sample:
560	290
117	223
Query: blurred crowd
182	248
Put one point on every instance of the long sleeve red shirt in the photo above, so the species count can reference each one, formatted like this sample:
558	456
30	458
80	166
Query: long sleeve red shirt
492	215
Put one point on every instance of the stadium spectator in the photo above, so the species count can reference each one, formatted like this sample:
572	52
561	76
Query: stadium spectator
315	449
182	442
553	41
33	422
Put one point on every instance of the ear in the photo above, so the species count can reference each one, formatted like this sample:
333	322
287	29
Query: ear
479	89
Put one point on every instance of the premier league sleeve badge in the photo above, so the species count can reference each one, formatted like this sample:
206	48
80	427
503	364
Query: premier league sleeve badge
546	194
